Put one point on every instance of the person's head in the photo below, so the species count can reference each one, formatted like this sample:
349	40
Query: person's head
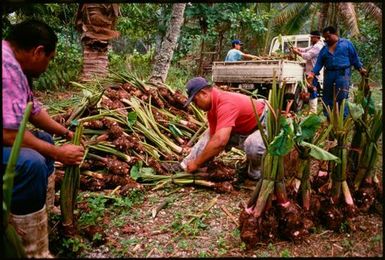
330	35
199	92
34	43
315	36
237	44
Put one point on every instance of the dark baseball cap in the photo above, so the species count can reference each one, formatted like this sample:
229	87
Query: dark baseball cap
315	33
193	86
236	42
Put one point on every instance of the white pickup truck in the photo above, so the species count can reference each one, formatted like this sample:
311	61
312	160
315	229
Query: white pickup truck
258	74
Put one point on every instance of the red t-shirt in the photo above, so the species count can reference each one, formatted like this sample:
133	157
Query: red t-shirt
233	110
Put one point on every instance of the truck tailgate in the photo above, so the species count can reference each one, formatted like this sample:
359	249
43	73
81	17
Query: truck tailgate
260	71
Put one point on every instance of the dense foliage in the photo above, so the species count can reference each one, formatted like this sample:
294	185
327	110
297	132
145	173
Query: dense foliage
205	36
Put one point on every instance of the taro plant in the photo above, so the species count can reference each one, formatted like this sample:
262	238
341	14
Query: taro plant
307	141
69	188
11	241
341	128
278	142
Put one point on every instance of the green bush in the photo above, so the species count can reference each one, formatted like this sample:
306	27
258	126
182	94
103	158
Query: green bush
66	65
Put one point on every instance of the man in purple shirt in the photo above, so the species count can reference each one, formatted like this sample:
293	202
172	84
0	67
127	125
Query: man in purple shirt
338	56
26	53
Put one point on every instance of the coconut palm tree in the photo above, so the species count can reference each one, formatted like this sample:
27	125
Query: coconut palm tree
164	56
96	23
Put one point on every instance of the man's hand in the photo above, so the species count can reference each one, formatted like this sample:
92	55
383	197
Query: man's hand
363	71
310	77
192	166
295	50
69	154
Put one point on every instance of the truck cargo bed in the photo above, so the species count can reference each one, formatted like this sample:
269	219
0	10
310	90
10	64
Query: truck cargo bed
260	71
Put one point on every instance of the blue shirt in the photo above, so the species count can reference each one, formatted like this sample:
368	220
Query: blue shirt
344	56
234	55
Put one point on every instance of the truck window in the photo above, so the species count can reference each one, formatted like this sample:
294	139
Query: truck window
303	44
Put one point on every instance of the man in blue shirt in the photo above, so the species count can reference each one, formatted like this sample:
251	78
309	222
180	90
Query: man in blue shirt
235	54
337	56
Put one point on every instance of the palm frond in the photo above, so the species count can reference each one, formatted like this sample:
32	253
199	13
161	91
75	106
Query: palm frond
349	17
323	13
372	10
295	24
289	12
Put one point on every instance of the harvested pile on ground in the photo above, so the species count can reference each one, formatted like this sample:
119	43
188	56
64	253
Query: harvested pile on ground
128	121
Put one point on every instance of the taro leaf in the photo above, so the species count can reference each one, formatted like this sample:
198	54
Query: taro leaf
281	145
135	170
175	130
131	118
286	125
371	108
147	170
355	110
319	153
309	126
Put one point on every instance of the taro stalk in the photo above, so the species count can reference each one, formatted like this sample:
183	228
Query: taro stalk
70	186
340	130
369	148
279	142
12	244
363	97
307	143
147	174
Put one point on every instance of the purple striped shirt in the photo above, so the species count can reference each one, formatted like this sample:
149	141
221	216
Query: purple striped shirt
16	90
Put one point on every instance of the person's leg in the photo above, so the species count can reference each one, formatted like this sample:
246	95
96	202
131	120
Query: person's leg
327	97
30	182
313	97
342	86
48	138
254	149
196	149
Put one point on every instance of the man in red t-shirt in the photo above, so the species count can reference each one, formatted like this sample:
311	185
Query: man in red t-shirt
232	122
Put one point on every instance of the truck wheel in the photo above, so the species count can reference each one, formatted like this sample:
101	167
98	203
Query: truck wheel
298	102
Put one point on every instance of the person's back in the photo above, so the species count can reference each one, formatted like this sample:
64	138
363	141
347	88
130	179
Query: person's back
234	55
235	110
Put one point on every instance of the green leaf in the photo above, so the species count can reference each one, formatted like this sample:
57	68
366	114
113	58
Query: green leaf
135	170
371	108
319	153
309	126
355	110
131	118
281	145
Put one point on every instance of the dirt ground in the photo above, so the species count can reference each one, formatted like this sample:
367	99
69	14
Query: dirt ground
177	231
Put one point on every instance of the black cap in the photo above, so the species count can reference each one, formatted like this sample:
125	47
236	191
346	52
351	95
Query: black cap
194	86
315	33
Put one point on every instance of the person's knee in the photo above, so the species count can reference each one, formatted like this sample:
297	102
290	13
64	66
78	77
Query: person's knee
32	161
254	146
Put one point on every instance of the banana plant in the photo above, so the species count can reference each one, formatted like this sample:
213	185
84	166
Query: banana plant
307	142
11	241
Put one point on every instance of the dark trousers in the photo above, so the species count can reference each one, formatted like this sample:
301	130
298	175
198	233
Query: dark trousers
31	179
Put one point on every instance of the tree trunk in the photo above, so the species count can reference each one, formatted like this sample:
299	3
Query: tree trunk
164	56
96	23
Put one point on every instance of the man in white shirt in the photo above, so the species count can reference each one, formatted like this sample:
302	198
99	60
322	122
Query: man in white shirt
310	55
